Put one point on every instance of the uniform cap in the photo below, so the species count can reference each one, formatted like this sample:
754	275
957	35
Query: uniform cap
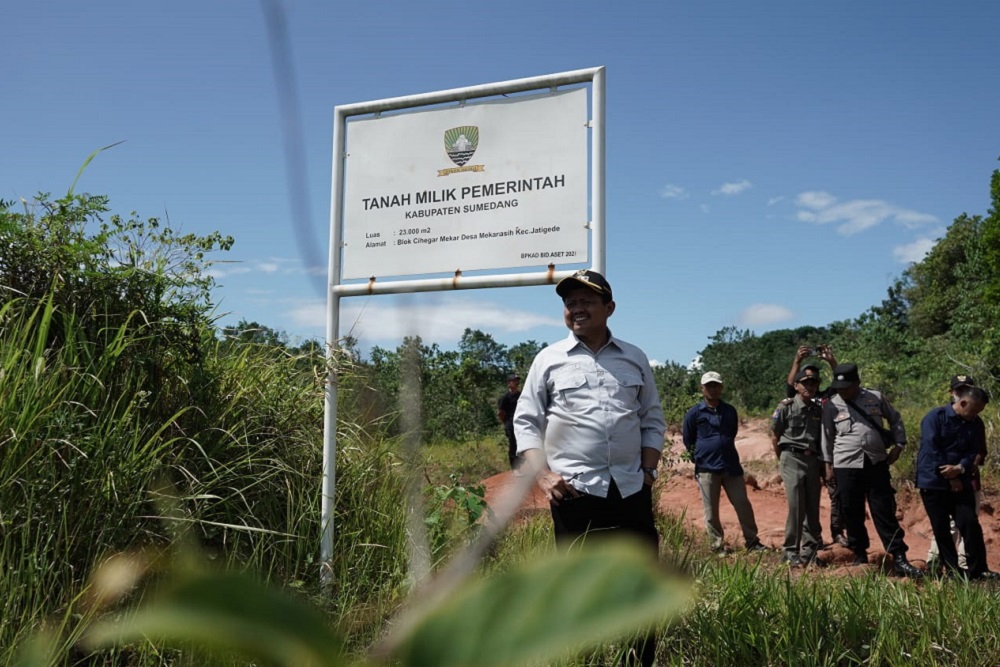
808	373
844	376
590	279
962	381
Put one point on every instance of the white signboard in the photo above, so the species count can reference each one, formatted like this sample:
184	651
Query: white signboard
492	185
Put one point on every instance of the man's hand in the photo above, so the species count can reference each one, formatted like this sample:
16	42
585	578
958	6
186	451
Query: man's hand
555	487
950	471
826	354
802	353
828	467
893	454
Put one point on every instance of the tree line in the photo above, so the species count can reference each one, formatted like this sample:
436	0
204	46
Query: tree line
940	317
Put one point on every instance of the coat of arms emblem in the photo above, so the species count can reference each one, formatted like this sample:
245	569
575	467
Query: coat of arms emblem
460	143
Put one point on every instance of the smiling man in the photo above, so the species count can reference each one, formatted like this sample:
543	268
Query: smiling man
590	426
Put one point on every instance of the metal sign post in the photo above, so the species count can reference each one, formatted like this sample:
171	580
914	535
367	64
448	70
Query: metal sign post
470	179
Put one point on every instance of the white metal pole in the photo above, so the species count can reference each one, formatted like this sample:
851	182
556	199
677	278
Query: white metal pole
597	162
332	339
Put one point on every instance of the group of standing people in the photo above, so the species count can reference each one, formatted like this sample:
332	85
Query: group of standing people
849	436
588	425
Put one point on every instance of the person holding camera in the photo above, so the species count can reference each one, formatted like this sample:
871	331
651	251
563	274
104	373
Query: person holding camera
825	352
795	436
858	450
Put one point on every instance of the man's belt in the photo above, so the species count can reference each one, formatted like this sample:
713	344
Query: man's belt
799	450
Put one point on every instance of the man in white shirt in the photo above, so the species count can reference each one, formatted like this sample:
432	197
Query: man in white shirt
590	426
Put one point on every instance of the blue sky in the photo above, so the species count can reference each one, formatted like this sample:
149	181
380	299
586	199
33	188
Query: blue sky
769	164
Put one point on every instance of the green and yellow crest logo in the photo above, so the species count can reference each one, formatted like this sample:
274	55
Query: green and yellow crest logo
460	143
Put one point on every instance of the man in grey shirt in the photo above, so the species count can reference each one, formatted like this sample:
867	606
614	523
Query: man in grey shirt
590	426
855	451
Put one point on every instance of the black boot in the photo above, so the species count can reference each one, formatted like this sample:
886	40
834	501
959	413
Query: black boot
904	568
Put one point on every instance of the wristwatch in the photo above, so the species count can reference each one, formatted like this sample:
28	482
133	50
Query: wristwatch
652	472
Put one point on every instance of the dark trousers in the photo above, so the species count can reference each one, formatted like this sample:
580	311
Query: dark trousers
942	507
871	483
515	460
588	517
837	527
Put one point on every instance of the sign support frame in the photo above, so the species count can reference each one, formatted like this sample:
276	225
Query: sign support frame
335	290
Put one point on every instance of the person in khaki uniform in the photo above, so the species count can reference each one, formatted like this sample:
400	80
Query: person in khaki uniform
795	436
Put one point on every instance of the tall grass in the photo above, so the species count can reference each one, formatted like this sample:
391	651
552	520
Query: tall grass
82	462
82	470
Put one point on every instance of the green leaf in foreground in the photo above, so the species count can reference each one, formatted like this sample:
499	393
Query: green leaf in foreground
562	604
228	611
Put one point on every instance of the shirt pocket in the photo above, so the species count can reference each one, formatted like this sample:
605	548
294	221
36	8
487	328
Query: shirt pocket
843	424
570	389
623	389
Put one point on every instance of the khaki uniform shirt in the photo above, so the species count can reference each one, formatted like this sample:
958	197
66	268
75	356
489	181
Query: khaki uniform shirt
848	437
797	424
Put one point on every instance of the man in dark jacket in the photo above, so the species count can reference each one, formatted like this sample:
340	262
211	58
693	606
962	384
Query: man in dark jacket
709	434
950	439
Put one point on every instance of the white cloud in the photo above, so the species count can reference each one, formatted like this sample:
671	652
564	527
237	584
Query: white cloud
815	199
222	270
855	215
774	200
760	314
731	189
670	191
913	252
437	323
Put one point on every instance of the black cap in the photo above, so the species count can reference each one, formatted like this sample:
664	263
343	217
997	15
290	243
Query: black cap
807	373
591	279
844	376
512	377
962	381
